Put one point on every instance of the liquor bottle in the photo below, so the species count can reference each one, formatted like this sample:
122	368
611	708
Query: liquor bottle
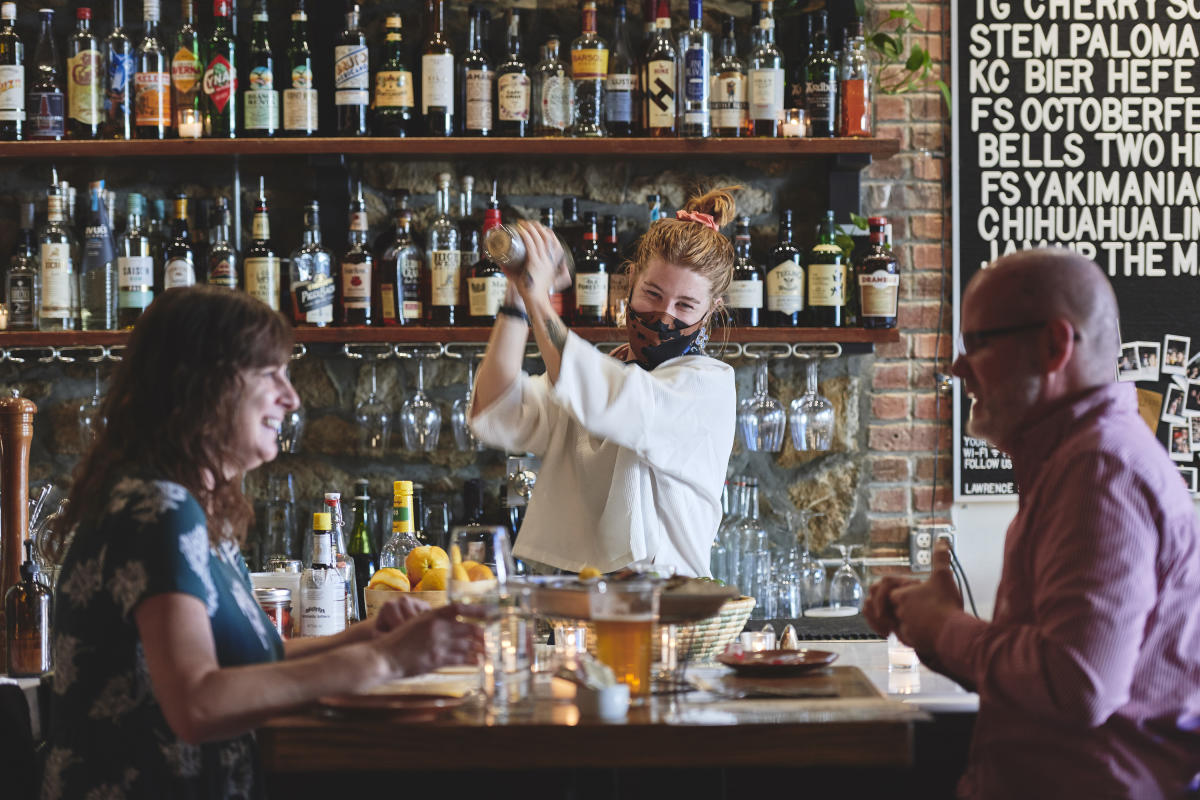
260	111
621	84
799	67
695	53
322	589
553	93
179	256
97	272
187	76
261	262
476	81
402	541
56	254
658	81
820	92
827	279
486	284
878	279
854	85
394	98
445	262
437	75
730	113
654	205
589	73
649	22
27	621
359	547
401	270
152	83
47	104
618	273
352	77
570	226
22	282
300	95
341	554
85	69
118	80
766	78
135	265
468	231
556	297
785	279
591	278
745	299
222	255
220	76
12	76
513	85
311	276
354	295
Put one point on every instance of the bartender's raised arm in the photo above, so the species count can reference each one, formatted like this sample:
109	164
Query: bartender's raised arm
543	266
501	365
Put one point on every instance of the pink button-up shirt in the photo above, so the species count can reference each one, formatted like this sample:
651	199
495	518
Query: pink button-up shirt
1089	674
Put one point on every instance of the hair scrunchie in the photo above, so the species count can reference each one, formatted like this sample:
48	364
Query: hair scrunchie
696	216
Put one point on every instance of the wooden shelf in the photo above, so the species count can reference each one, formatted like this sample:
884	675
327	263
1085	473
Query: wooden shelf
415	335
457	147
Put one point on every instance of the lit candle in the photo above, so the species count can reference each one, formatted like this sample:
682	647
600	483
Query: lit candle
191	130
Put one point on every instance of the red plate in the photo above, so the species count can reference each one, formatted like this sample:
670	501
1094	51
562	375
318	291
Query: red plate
777	663
412	707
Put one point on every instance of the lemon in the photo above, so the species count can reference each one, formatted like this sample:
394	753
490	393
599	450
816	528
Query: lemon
480	572
389	578
434	580
422	559
587	573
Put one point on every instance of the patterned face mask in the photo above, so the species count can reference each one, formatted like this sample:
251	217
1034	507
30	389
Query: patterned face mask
658	337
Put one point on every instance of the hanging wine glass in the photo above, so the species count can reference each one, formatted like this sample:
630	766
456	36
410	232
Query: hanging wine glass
812	416
845	590
374	421
464	437
761	418
89	418
420	420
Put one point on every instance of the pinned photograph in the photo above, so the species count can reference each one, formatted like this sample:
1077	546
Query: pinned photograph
1128	367
1172	409
1193	367
1175	354
1191	403
1189	478
1148	359
1180	444
1195	424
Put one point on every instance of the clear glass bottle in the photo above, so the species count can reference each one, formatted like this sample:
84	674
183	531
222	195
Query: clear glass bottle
85	71
355	283
754	552
729	105
179	256
135	265
97	272
589	74
620	87
152	83
401	273
660	67
477	81
322	588
359	547
445	262
766	78
695	53
437	75
220	75
22	281
260	99
394	96
513	87
855	95
118	82
311	275
261	262
56	254
27	615
12	76
553	93
468	229
785	278
352	77
403	539
820	92
727	532
47	103
223	257
300	97
341	554
745	298
187	75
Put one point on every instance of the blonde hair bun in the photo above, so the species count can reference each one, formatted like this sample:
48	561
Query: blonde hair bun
717	203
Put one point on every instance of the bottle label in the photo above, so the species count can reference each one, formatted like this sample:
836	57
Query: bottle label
46	119
20	300
591	290
486	295
445	266
179	272
660	94
879	293
437	82
223	272
58	279
351	77
12	93
260	228
394	89
300	102
479	99
120	72
746	294
618	290
618	98
98	247
785	288
186	72
589	64
410	275
826	283
262	278
556	101
820	99
513	91
322	600
83	87
262	101
387	299
356	285
152	99
766	94
220	83
728	100
314	299
695	74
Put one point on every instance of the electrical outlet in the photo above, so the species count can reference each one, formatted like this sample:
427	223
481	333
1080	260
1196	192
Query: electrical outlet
920	549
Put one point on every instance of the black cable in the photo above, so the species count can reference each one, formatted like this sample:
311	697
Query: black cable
957	567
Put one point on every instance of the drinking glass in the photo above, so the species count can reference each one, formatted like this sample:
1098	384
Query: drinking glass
291	430
761	418
812	416
280	534
374	420
845	589
623	615
464	437
420	420
437	524
90	419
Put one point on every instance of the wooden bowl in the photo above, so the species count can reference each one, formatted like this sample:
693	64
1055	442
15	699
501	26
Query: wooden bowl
375	598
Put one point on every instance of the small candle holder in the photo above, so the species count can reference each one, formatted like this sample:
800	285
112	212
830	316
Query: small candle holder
794	123
190	125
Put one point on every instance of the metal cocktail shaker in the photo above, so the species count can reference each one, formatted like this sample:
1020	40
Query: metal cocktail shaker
504	246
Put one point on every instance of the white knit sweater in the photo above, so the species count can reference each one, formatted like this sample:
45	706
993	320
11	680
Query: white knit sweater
632	461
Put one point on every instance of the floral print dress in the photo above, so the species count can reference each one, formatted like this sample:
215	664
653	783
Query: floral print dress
108	737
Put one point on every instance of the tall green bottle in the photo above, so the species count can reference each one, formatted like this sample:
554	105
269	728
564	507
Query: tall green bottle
220	76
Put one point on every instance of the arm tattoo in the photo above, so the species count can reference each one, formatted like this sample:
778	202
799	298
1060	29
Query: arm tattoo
557	333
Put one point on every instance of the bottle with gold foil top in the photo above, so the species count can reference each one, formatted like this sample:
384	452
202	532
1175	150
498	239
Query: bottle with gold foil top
394	97
589	73
179	256
261	264
152	83
827	279
187	73
85	70
220	82
27	615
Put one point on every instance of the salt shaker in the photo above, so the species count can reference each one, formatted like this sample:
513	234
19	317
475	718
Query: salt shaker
789	640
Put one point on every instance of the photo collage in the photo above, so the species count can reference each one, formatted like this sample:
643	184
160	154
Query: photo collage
1171	360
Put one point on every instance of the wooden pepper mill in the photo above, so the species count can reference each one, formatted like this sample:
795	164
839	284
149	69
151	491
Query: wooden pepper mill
16	434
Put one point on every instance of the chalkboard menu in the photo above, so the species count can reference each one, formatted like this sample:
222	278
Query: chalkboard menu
1077	124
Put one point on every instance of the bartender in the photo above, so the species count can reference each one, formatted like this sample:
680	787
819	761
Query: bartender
634	445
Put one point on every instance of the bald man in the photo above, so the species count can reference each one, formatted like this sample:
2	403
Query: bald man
1089	674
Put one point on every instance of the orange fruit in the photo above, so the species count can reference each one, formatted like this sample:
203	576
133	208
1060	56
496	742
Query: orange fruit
460	572
434	580
422	559
480	572
389	578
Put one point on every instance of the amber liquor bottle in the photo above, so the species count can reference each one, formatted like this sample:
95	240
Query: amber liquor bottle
27	622
878	278
355	283
746	289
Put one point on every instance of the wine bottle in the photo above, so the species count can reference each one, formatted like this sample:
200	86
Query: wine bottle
486	283
513	87
729	106
260	113
85	70
827	278
352	77
47	104
658	79
355	284
135	265
152	83
222	255
820	93
56	255
12	76
445	262
879	278
785	279
261	261
589	73
179	256
618	273
695	53
766	78
220	76
187	76
311	276
591	277
118	81
300	97
437	75
359	547
476	81
745	299
394	98
621	84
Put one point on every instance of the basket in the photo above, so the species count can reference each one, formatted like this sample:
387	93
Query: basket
703	640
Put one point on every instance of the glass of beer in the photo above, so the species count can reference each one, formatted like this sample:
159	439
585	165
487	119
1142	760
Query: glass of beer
623	616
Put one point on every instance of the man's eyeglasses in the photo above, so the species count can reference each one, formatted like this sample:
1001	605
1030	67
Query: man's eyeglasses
970	342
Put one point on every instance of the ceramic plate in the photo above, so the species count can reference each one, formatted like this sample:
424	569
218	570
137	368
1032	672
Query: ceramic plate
777	663
412	707
830	611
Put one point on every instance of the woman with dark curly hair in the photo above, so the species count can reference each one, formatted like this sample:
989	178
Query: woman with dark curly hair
164	663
